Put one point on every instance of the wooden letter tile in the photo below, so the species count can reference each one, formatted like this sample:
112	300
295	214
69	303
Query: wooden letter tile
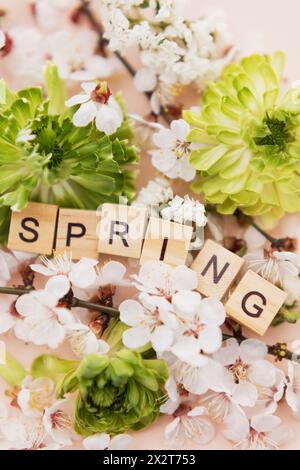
33	229
166	241
217	268
255	302
121	230
77	233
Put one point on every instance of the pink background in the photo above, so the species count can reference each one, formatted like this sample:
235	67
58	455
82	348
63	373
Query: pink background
257	26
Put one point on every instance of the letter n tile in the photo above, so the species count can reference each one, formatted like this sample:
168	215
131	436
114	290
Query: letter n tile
217	268
255	303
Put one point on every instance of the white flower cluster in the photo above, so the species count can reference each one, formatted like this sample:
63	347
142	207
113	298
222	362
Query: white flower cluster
40	422
210	380
38	318
72	47
174	50
158	192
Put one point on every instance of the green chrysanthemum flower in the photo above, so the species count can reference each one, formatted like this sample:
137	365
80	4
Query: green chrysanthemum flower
117	392
249	153
45	158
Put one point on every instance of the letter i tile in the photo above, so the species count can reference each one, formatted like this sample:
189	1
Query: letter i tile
255	303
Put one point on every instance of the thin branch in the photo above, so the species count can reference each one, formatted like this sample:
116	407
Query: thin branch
86	11
253	224
279	350
74	302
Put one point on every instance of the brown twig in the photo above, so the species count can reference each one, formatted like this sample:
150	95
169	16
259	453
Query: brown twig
279	350
74	302
97	26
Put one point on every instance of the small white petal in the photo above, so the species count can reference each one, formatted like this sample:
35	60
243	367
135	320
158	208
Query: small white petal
252	349
162	338
135	338
183	278
131	312
85	114
172	428
210	339
108	119
187	302
64	315
282	435
164	139
229	353
82	275
88	87
77	99
58	286
185	170
263	373
185	348
237	426
245	394
39	268
112	273
164	160
96	442
145	80
6	322
265	423
212	312
181	129
121	442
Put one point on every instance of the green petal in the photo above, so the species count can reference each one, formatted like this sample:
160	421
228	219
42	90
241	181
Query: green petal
203	159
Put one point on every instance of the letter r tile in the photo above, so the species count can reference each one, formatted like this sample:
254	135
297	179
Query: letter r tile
33	229
121	230
255	302
217	268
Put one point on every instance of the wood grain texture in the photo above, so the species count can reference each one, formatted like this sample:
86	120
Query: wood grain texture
217	268
77	233
255	302
121	230
166	241
33	229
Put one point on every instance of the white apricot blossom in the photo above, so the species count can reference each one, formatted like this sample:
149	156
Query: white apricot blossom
43	322
104	442
245	371
64	273
262	432
97	104
190	424
35	395
158	278
172	155
151	320
200	322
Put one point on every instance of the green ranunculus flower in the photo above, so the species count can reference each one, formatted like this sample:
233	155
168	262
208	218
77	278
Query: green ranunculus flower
45	158
116	393
249	153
